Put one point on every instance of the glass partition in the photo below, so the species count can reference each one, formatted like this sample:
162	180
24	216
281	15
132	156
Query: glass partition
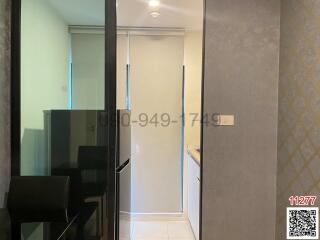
63	119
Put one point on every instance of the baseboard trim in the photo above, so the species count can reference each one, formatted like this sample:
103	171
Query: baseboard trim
159	216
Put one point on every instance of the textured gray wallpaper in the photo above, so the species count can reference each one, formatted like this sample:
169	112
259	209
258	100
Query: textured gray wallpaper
4	97
241	78
299	105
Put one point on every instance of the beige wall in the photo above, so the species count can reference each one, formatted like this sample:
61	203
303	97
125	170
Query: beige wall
193	82
299	98
45	48
45	79
241	78
193	79
4	97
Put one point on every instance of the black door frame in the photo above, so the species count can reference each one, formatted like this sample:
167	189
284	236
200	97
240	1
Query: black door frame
110	98
15	86
202	115
111	108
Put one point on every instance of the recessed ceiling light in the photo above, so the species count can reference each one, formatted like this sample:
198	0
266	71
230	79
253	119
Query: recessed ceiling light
155	14
154	3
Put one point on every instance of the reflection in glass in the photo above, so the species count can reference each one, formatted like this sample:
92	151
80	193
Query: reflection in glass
63	99
87	44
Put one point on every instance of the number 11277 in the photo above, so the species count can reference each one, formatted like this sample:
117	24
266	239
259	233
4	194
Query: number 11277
302	200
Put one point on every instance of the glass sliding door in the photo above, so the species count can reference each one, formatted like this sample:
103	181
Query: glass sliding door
64	125
62	68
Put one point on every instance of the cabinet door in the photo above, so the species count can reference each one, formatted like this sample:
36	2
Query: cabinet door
193	195
191	191
197	207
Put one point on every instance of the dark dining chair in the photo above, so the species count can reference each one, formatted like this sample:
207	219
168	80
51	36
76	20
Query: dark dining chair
77	205
92	159
5	225
37	199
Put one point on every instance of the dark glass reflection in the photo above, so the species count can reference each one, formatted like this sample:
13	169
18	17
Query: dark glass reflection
77	147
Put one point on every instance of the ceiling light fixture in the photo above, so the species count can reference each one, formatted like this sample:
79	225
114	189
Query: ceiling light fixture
155	14
154	3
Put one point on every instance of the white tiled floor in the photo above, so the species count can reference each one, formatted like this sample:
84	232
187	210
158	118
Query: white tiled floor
170	230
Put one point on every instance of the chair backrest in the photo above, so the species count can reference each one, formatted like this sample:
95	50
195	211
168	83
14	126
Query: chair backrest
92	157
5	225
38	198
75	190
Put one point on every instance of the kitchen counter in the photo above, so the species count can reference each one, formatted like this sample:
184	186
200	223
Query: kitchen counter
194	152
194	175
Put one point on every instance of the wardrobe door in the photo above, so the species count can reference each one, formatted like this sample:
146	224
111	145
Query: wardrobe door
156	90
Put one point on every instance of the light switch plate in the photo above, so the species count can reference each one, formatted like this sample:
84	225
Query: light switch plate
224	120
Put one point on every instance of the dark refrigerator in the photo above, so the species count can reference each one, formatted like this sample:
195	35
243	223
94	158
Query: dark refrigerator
123	176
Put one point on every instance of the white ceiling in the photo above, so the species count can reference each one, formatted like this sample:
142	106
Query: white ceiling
133	13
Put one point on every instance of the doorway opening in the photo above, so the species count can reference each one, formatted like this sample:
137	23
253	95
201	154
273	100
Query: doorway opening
159	77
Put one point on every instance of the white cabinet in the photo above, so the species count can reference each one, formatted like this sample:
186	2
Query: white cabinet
194	195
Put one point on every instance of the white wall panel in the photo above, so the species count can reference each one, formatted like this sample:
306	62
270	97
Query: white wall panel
156	76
